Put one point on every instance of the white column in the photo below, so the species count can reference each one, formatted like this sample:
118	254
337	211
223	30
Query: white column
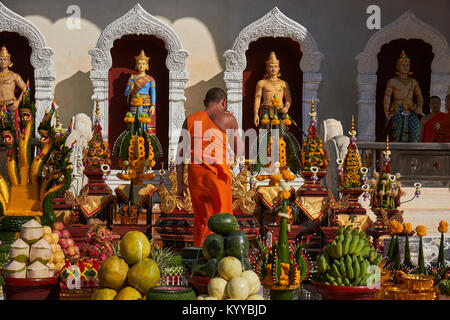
367	87
311	82
233	81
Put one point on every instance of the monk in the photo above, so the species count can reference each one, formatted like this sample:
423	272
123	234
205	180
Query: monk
210	132
442	127
427	122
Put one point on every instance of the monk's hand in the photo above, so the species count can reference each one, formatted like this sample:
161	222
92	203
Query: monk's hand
436	126
182	189
256	119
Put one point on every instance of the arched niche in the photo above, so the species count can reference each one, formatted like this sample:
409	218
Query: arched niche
123	63
407	26
289	54
137	21
12	28
421	55
273	24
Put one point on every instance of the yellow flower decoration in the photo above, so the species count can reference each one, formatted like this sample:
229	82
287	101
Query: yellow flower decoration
276	102
407	227
265	121
443	226
275	122
395	226
285	194
421	231
287	122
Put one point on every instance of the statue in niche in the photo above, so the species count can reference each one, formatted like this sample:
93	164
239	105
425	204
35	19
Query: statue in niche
81	133
141	91
273	91
9	81
400	110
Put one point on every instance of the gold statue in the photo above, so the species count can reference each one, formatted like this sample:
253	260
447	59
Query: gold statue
9	81
141	91
399	106
272	90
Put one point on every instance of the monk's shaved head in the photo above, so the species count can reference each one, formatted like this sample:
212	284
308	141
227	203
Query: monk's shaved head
214	95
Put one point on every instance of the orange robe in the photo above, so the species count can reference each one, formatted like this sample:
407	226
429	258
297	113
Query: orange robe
428	127
209	173
443	134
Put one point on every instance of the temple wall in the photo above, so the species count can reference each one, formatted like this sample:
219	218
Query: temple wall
208	28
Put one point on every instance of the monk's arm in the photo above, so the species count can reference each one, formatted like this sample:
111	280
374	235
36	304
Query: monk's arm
180	164
235	136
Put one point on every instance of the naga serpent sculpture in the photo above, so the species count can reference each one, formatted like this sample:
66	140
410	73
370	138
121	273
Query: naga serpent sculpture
33	183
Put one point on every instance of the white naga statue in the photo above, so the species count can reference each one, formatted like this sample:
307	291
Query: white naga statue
336	143
82	133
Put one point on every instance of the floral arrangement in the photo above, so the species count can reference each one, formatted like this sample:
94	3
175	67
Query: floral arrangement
443	228
97	153
313	153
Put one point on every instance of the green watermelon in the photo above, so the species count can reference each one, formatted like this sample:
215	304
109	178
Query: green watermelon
213	246
236	244
222	223
171	293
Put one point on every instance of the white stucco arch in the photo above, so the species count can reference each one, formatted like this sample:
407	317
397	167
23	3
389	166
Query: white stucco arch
138	21
273	24
407	26
41	57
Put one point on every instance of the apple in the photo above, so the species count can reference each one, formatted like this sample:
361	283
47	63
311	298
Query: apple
65	234
63	243
71	251
57	232
58	226
70	242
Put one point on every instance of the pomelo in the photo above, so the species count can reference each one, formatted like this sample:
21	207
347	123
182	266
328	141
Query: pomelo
113	272
128	293
104	294
134	247
144	275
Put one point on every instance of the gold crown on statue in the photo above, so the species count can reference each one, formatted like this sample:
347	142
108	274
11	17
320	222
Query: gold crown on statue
272	59
4	52
403	58
142	56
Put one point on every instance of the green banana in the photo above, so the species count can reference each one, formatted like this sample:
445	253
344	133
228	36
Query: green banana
332	249
355	232
359	246
357	281
339	282
330	278
346	244
364	252
342	268
322	264
364	279
335	271
372	256
378	260
326	257
347	230
356	267
340	231
349	268
353	245
339	250
346	282
334	283
363	268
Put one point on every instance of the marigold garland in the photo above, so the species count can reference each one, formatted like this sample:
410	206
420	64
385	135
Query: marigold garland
396	227
407	227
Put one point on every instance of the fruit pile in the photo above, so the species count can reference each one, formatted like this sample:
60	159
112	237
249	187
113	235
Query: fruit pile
348	259
98	243
233	283
60	238
226	241
130	274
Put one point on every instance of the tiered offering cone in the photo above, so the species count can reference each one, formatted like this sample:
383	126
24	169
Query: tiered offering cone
351	176
313	169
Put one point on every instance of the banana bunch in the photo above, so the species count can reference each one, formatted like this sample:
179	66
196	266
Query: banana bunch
348	259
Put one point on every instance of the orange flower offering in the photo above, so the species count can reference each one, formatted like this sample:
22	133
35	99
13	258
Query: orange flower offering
285	194
265	121
396	227
275	122
276	102
407	227
443	226
421	231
